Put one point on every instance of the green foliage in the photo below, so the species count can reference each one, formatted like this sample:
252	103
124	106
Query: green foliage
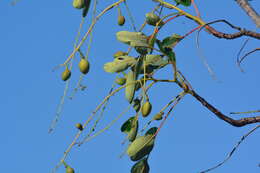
120	63
134	39
183	2
141	146
141	166
138	71
130	127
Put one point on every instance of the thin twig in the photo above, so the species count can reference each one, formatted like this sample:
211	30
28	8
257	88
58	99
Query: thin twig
239	52
90	29
248	53
233	150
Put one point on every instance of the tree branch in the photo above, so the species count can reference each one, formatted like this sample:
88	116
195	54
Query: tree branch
236	123
249	11
242	31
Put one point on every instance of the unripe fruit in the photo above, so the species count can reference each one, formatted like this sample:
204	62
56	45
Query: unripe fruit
119	53
121	81
84	66
158	116
66	74
121	20
146	109
79	126
152	19
78	4
69	170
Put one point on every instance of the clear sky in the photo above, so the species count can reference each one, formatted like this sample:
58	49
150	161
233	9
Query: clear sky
36	36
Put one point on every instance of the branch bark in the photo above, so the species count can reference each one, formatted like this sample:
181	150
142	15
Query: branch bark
241	31
249	11
237	123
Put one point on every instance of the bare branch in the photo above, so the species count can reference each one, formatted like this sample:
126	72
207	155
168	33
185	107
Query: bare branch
237	123
242	32
248	53
249	11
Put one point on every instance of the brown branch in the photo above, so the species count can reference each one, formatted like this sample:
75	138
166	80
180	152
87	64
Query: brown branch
236	123
249	11
242	32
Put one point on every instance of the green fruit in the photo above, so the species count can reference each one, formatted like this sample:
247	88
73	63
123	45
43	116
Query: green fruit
121	81
78	4
141	167
146	109
66	74
130	86
158	116
84	66
79	126
140	147
69	170
121	20
119	53
152	19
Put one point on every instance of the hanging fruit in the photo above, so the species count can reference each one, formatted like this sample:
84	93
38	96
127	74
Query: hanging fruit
65	74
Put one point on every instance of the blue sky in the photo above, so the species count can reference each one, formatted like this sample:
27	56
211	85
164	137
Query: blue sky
36	36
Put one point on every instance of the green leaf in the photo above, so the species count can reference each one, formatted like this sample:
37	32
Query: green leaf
141	166
171	55
134	39
86	8
126	127
160	45
183	2
130	127
151	131
171	41
155	60
137	104
140	147
119	64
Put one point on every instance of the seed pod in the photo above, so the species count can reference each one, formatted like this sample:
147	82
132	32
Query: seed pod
152	19
130	86
84	66
119	53
79	126
66	74
79	4
146	109
121	81
69	170
121	20
158	116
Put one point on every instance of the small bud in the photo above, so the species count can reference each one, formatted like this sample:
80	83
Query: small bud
79	126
